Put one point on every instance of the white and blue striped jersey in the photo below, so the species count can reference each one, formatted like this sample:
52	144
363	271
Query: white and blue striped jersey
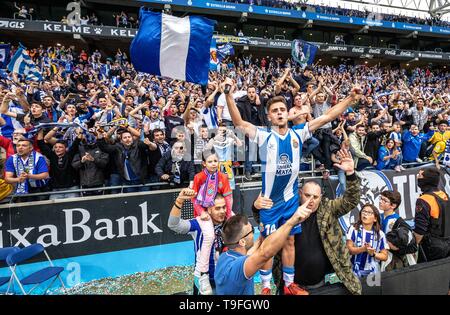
280	159
197	234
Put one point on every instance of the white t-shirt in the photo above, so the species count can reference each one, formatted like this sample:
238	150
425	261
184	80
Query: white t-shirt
222	102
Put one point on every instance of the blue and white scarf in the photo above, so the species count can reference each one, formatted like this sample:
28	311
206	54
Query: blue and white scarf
27	167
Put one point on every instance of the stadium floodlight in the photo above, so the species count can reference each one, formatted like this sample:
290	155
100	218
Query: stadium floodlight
307	24
243	17
412	34
364	29
167	9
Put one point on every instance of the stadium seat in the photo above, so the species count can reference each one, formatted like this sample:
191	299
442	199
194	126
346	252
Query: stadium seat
4	252
38	277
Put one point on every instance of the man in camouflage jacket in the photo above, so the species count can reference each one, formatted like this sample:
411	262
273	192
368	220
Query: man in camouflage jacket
328	213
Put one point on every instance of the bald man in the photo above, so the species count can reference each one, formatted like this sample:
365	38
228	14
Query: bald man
319	249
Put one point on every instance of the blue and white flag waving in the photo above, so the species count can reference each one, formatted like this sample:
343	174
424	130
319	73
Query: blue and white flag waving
225	50
21	63
4	55
303	52
173	47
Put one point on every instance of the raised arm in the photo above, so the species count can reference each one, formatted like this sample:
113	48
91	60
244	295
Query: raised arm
336	110
175	223
281	80
294	83
22	99
210	100
248	128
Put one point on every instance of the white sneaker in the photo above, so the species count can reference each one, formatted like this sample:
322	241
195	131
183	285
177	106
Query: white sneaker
419	160
402	168
203	285
397	168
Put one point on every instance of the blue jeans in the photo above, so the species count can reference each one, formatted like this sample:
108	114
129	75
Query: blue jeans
394	163
65	195
134	189
114	180
309	146
342	179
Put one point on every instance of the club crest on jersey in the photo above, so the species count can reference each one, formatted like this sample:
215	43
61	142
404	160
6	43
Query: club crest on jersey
295	143
284	166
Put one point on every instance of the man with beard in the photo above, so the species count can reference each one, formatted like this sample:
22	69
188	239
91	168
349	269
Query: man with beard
90	162
28	170
173	168
62	175
130	157
158	147
282	87
217	213
51	109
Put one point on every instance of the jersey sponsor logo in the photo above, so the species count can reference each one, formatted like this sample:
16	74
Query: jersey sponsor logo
284	165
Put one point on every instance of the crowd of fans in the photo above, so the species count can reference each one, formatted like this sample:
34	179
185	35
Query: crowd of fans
121	19
297	5
118	127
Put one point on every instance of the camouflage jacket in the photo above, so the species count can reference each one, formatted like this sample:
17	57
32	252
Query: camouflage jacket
330	231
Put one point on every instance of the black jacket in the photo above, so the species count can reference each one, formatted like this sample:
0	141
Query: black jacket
245	108
164	166
137	155
62	175
91	173
373	143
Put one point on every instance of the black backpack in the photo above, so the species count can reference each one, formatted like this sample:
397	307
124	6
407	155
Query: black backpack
402	237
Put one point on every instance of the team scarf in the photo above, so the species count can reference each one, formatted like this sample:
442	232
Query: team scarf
218	239
90	138
27	167
388	93
361	260
208	191
163	147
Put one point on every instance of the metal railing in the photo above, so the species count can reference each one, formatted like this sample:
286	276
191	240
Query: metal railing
239	179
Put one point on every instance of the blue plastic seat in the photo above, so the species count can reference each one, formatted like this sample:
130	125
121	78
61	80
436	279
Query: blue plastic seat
4	252
40	276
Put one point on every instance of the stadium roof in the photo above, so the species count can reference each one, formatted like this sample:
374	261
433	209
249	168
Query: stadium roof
414	8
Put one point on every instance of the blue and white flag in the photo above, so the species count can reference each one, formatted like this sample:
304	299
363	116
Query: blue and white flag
303	52
173	47
213	58
225	50
4	55
21	63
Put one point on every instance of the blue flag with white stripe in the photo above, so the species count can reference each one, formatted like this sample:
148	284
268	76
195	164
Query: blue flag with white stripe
173	47
21	63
